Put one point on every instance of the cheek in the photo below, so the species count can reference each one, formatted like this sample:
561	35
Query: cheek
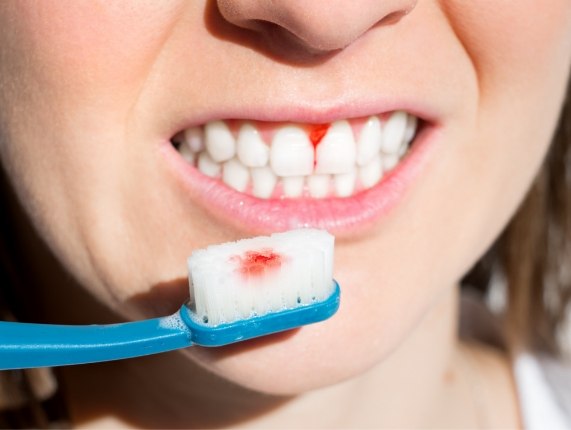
521	56
507	41
72	73
103	43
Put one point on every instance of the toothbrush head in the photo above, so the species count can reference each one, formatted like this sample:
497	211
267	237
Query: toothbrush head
259	286
274	322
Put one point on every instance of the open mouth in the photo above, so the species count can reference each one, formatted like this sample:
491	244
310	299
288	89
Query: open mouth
263	176
289	160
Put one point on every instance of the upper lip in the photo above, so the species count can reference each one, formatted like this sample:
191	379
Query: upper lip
316	112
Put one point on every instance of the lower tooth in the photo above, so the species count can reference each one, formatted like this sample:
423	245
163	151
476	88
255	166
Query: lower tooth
263	182
390	161
318	185
292	186
208	166
344	184
186	152
371	173
235	175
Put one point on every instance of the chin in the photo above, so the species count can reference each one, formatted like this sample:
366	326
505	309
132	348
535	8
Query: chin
311	357
283	364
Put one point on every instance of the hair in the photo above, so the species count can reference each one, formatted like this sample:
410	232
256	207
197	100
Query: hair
532	255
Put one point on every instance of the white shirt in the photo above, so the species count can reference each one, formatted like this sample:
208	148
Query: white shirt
544	388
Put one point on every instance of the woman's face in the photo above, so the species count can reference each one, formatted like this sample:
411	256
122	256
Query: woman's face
94	94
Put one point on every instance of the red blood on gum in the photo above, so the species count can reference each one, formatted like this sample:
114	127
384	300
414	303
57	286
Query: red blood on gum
317	132
256	263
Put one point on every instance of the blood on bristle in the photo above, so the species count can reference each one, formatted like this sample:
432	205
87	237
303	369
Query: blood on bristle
256	263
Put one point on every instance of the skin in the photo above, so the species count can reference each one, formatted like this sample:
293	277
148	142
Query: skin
89	92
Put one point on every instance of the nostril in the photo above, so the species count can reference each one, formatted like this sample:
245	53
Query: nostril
393	18
314	27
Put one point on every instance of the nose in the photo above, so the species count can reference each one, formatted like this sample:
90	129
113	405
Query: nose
317	26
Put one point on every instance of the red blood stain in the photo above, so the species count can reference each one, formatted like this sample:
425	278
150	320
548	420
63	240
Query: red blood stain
256	263
384	117
316	134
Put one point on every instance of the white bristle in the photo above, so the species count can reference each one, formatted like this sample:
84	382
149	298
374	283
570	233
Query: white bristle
221	292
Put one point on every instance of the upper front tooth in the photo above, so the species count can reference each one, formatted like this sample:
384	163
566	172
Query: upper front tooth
369	143
336	152
219	141
252	151
194	139
291	153
393	132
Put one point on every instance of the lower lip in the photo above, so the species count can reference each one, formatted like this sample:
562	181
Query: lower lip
341	216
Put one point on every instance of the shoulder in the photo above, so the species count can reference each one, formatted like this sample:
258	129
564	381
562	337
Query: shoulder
544	389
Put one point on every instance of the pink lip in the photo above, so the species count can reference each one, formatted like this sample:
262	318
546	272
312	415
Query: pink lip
341	216
317	113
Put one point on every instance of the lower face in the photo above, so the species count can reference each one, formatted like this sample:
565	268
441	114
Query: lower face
133	141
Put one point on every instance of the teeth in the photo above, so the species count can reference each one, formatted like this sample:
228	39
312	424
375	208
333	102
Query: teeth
252	151
369	143
393	133
336	152
339	165
208	166
219	141
263	182
402	149
318	185
344	184
235	175
292	186
291	153
372	172
186	152
390	161
410	131
194	139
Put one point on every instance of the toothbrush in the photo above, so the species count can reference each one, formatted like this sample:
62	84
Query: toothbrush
238	291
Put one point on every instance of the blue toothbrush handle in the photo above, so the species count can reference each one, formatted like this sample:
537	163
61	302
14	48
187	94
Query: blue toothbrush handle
25	345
